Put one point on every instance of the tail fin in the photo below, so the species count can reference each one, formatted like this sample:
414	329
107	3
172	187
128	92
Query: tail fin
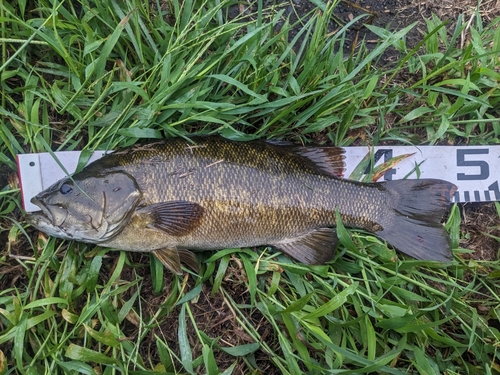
413	223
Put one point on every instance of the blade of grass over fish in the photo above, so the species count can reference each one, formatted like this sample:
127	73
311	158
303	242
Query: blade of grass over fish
54	156
222	253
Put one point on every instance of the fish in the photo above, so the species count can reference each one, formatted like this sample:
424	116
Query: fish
176	196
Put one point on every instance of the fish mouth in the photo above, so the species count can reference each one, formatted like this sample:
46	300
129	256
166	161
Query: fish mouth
38	218
43	223
55	215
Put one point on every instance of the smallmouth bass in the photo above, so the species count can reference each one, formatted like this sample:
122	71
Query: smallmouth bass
172	196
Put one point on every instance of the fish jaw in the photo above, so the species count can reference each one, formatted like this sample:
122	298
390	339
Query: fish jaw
51	220
56	215
48	219
43	222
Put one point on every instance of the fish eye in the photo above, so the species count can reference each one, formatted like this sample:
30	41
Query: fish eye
65	189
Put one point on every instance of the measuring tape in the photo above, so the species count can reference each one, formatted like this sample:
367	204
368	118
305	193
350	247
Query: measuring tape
474	169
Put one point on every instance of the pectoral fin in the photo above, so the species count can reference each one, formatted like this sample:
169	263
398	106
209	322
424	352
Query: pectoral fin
315	247
176	218
172	258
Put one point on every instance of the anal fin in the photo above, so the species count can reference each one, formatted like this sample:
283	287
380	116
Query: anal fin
315	247
172	258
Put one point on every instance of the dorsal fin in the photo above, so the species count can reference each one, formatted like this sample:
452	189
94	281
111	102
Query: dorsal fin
329	159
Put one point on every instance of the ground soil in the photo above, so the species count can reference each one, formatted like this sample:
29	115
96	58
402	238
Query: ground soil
393	15
213	316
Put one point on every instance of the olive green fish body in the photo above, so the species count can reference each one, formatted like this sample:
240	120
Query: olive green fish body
251	193
216	193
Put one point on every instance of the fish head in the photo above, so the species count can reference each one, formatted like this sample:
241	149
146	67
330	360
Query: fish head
86	208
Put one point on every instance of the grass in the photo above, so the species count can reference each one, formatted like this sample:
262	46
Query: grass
85	75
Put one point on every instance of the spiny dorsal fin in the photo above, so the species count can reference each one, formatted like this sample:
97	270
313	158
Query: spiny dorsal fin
176	218
172	258
315	247
329	159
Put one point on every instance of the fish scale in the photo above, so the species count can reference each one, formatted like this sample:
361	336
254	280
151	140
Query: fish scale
214	193
305	199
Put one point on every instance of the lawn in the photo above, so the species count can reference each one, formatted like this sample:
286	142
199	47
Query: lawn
84	75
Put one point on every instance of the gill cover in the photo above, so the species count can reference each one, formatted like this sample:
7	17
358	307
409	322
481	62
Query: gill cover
91	209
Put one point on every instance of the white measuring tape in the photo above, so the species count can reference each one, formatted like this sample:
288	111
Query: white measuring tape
474	169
